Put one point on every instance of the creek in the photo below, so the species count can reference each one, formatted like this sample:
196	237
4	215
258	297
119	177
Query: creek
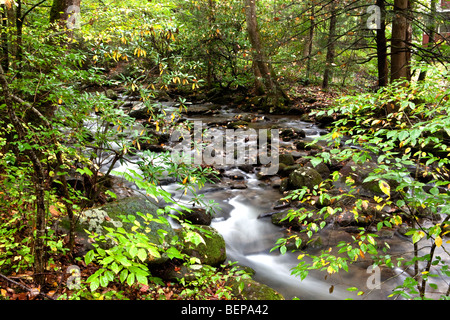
244	222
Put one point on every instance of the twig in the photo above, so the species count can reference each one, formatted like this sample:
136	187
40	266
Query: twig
24	287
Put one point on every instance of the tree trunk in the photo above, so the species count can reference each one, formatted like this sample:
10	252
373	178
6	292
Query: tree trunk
383	71
19	28
39	177
262	69
210	69
330	47
62	9
4	58
399	47
309	45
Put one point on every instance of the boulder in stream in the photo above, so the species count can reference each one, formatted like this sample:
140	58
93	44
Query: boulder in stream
197	216
212	252
253	290
157	230
304	177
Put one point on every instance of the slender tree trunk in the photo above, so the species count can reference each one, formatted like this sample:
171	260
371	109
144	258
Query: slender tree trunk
210	67
309	45
62	9
399	48
39	177
259	58
330	47
383	71
262	68
4	58
19	29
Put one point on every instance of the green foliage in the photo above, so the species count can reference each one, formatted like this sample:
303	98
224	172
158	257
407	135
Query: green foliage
205	282
402	128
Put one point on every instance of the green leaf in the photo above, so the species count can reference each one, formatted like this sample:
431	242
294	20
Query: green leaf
89	257
379	225
107	260
123	275
133	251
142	254
115	267
153	251
173	252
316	161
131	279
142	279
417	236
104	281
194	237
123	260
94	284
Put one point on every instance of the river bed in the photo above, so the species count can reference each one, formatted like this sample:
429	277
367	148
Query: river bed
244	222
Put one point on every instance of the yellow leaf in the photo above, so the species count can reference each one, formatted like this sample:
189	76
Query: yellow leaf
385	188
335	135
185	180
438	241
157	127
300	256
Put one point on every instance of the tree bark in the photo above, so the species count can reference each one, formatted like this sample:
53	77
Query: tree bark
4	38
383	71
309	45
262	68
399	47
330	46
60	10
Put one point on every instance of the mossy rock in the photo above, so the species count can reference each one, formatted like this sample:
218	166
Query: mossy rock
305	176
94	220
253	290
280	219
196	216
286	159
212	252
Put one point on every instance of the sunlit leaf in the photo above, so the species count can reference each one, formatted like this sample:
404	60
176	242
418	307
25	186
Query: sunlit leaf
385	188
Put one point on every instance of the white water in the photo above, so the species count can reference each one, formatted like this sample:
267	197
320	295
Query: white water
249	240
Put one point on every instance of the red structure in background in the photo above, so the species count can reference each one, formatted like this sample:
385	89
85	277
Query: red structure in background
445	5
443	30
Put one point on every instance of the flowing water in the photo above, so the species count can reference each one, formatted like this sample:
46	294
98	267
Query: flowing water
250	236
